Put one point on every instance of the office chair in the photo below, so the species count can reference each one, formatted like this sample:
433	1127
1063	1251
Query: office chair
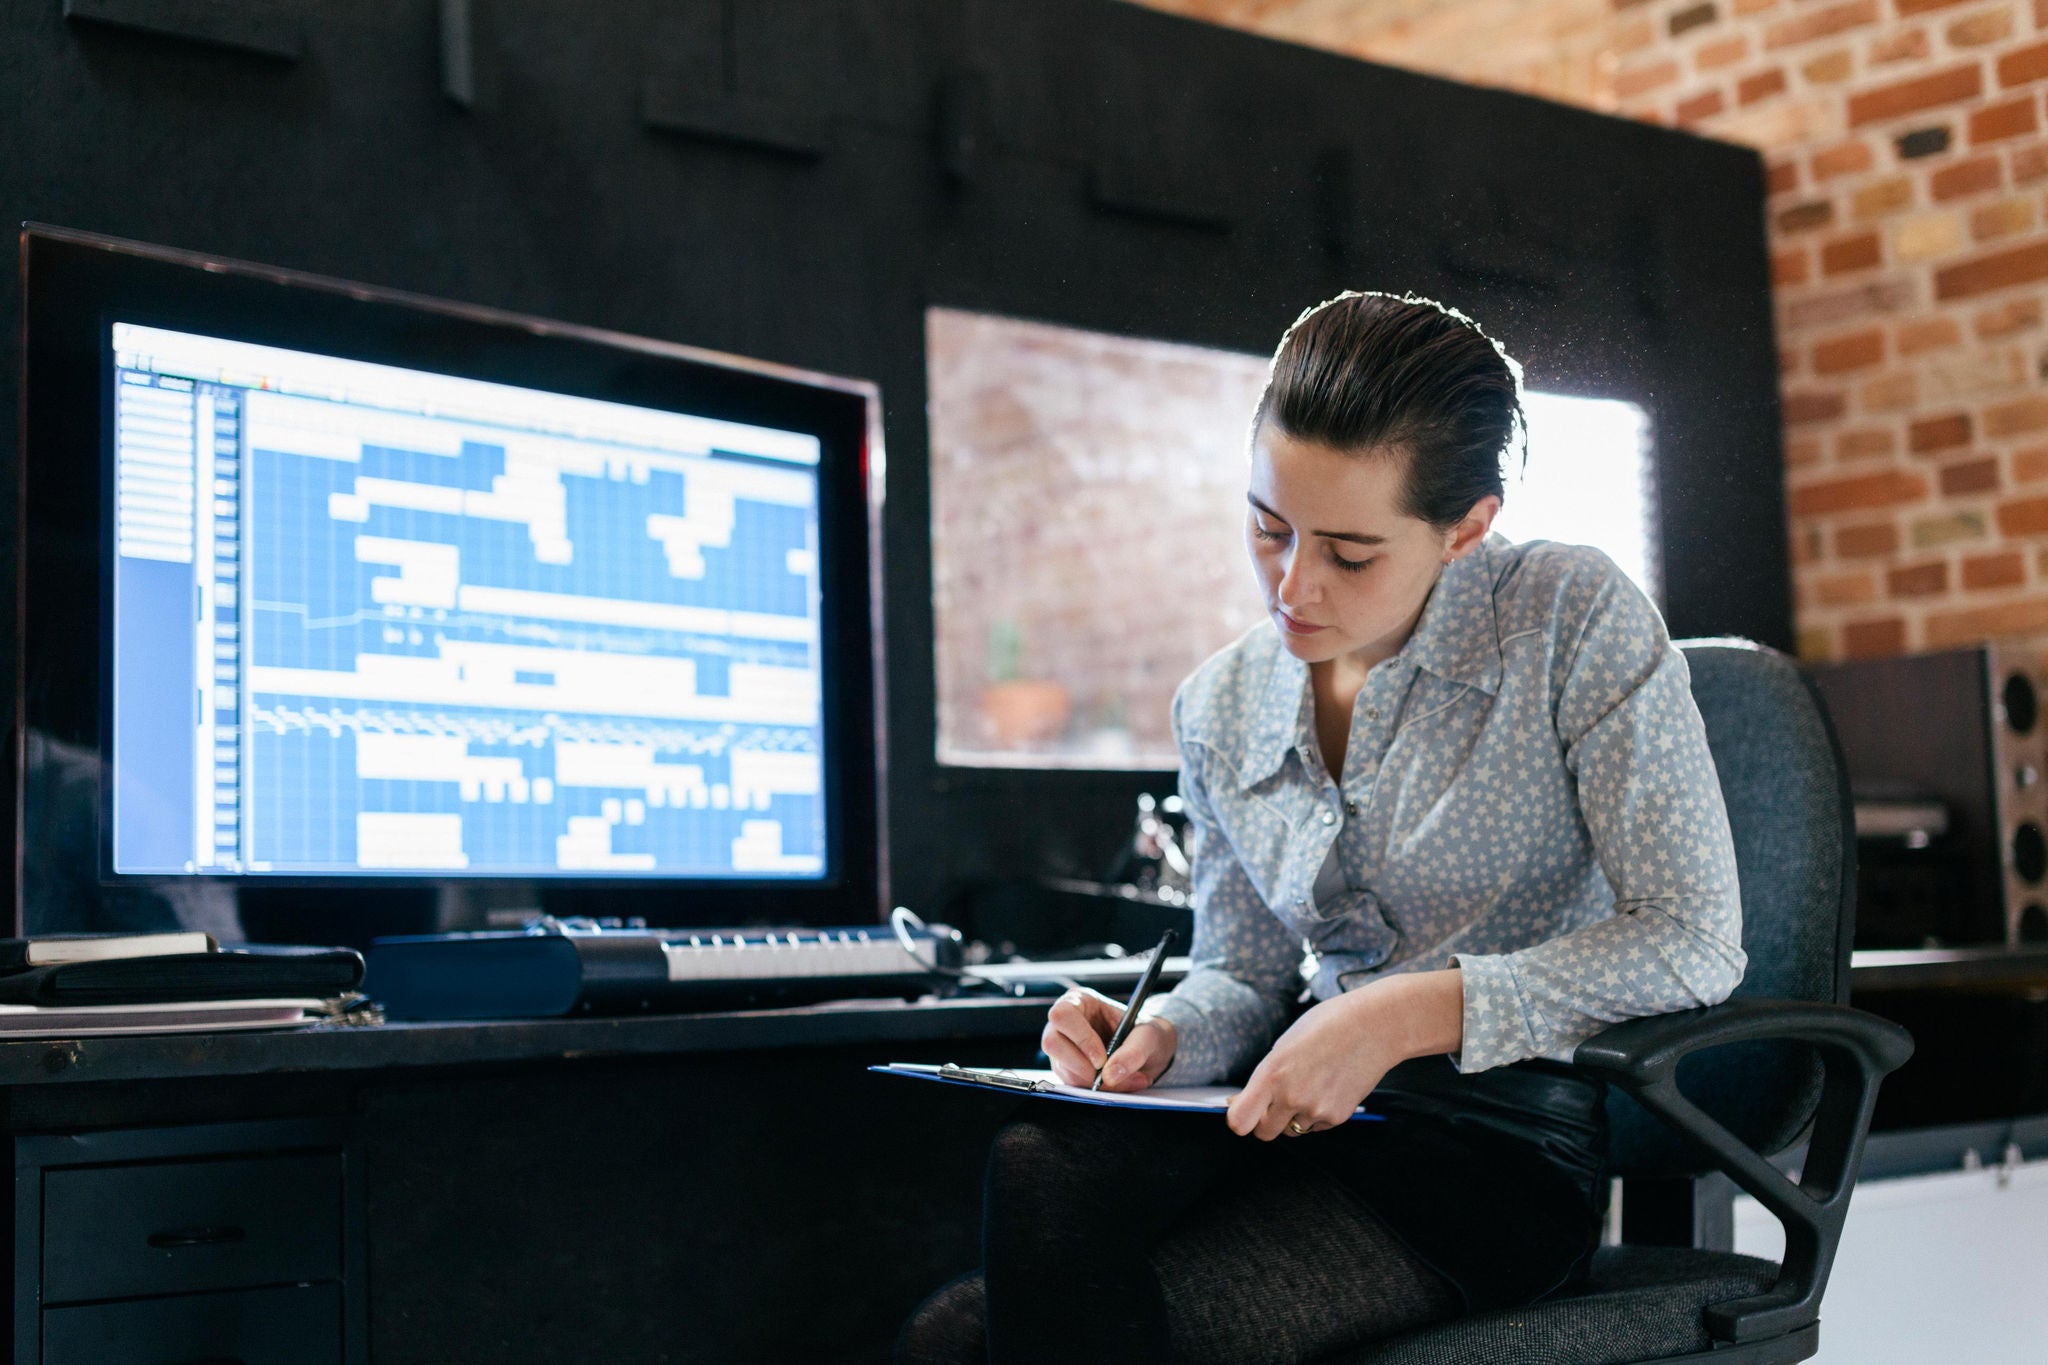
1728	1086
1723	1087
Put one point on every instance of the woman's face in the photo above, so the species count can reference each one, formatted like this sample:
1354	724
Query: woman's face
1342	570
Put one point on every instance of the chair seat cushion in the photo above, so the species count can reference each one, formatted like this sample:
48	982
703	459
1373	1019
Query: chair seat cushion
1641	1303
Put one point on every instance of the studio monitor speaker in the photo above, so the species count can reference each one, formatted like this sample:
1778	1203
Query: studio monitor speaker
1965	728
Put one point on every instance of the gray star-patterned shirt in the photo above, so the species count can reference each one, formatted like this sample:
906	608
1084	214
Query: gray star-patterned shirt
1527	794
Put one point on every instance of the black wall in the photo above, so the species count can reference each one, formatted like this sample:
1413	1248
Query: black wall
799	179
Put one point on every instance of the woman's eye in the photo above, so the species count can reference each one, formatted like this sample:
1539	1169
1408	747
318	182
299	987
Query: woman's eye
1354	565
1263	534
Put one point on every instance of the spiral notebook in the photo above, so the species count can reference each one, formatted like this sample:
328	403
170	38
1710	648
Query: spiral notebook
1200	1099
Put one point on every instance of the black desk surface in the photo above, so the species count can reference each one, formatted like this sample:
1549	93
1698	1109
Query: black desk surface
358	1047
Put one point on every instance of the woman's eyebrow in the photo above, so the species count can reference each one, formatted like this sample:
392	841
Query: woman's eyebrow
1351	536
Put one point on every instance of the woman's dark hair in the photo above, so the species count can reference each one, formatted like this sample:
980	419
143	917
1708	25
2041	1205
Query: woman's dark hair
1373	372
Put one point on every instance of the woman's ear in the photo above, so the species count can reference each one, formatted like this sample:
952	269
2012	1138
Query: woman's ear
1464	538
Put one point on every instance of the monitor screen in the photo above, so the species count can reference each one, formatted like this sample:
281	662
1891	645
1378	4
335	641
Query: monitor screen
433	623
326	586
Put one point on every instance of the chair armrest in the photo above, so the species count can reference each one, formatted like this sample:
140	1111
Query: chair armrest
1858	1050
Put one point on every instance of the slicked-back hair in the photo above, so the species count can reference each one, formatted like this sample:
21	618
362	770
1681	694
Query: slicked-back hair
1379	374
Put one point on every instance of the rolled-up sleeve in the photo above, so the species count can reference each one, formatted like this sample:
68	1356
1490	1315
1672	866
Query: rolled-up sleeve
1245	965
1651	800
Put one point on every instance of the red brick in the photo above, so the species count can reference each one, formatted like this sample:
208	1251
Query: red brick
1690	18
2008	318
1845	589
1698	107
1864	444
1909	46
2023	516
1870	541
2022	414
1763	85
1791	267
1909	8
1892	393
1887	488
1721	52
1928	334
1999	270
1780	178
2001	570
1820	22
1969	476
1639	80
1966	177
2024	617
2029	163
2023	64
1979	29
1856	351
1844	254
1812	407
2014	118
1844	158
1801	217
2002	219
1939	433
1918	580
1911	96
2030	465
1874	639
1844	305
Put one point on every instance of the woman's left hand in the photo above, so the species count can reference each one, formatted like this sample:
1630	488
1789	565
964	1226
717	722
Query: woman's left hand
1319	1071
1337	1052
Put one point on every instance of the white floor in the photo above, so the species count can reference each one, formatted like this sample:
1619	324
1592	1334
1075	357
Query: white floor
1950	1269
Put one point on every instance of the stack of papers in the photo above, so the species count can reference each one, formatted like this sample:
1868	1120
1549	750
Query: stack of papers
187	1016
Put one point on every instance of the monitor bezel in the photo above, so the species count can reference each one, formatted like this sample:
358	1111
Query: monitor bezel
75	285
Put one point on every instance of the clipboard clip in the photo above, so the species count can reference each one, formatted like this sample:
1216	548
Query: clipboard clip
1004	1080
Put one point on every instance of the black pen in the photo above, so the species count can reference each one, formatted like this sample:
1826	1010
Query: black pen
1123	1027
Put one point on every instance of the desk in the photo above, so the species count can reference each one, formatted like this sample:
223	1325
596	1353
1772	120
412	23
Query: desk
728	1187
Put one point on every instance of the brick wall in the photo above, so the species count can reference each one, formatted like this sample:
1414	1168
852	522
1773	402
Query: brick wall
1907	146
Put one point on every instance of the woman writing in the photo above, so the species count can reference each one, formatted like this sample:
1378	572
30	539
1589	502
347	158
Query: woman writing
1453	813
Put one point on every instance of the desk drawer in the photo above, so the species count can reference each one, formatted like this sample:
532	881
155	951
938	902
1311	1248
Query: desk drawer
298	1325
173	1227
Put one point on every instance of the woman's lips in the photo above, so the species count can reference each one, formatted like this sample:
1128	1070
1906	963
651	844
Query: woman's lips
1297	627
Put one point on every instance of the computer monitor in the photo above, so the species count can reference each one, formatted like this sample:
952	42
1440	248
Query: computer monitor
389	591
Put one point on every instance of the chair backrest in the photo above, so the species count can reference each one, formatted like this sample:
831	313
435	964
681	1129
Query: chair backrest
1787	792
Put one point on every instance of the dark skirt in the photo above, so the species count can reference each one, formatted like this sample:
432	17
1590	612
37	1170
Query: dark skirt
1496	1179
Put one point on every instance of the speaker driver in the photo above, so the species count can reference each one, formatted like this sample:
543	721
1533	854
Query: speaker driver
2029	852
2022	703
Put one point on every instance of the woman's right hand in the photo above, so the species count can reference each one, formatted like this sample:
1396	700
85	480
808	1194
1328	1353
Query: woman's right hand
1077	1031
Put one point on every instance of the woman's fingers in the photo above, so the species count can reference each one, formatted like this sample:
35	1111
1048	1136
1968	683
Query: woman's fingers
1145	1052
1077	1029
1066	1060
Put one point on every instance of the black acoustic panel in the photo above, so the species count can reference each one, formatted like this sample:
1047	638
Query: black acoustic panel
267	28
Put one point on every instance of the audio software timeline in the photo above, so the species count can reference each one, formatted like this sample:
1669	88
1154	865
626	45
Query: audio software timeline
438	625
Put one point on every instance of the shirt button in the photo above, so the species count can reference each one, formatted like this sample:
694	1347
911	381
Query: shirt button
1372	713
1329	817
1351	808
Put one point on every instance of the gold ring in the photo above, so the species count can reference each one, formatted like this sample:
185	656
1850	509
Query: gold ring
1294	1127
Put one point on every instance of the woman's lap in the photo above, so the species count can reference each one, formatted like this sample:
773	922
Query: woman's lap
1108	1235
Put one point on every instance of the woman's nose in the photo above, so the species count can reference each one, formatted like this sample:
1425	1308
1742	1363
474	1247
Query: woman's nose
1294	578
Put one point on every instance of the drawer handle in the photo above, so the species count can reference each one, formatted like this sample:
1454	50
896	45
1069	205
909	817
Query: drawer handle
222	1235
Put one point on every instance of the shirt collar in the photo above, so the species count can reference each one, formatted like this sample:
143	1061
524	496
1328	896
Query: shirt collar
1457	638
